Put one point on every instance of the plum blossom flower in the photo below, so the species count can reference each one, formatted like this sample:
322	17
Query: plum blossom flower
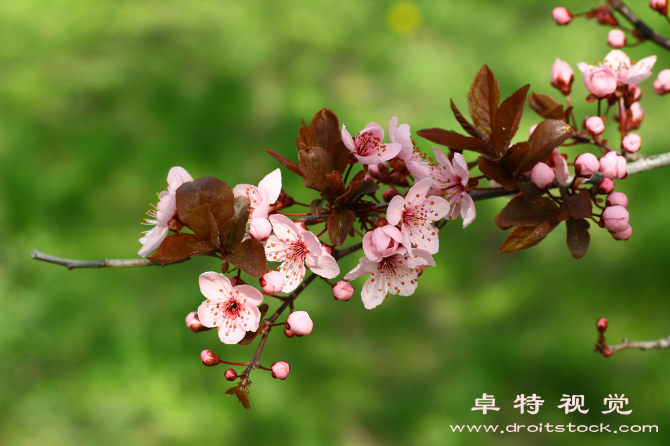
449	181
415	215
600	81
627	72
560	166
382	242
368	147
261	197
562	76
612	165
295	247
233	310
163	211
393	274
413	158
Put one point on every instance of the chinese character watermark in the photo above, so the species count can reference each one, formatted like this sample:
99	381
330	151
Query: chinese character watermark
486	402
617	404
532	402
572	403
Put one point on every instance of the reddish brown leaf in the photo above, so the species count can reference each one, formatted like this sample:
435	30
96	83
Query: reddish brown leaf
336	184
548	135
204	227
354	185
242	210
290	165
507	120
216	194
326	128
469	128
515	156
249	256
306	138
241	395
525	237
178	247
251	335
483	100
546	106
496	172
339	154
316	206
578	237
315	164
456	141
520	211
578	206
340	223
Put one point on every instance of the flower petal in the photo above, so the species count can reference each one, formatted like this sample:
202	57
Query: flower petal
365	266
468	212
251	294
293	272
271	186
347	139
374	291
284	228
176	177
215	286
153	239
232	334
395	209
323	265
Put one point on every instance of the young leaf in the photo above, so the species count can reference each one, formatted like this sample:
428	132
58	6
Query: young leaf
251	335
249	256
578	206
326	128
178	247
315	164
354	185
316	206
340	223
456	141
507	120
520	211
204	227
483	100
241	395
525	237
339	154
216	194
469	128
336	184
497	173
290	165
306	138
548	135
242	210
546	106
578	237
515	156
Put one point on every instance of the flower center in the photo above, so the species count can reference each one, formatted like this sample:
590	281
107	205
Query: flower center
298	251
367	144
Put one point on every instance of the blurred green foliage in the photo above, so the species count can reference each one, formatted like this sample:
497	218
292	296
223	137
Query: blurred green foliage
98	99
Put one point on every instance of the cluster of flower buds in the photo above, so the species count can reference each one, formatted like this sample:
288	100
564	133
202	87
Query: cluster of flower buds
601	346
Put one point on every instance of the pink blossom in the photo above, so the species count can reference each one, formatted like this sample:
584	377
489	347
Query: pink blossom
209	358
381	242
260	228
627	72
632	142
632	93
233	310
561	15
616	38
272	282
605	186
612	165
163	211
542	175
343	290
415	215
595	125
295	247
261	197
401	135
561	76
659	5
560	166
280	369
615	218
586	165
368	147
389	194
617	199
600	81
230	375
327	249
378	170
662	82
395	274
623	235
449	181
299	323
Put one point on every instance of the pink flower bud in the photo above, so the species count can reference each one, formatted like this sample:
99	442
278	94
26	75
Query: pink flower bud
561	15
616	38
343	290
260	228
599	80
542	175
632	93
299	323
595	125
662	82
378	170
209	358
231	375
389	194
586	165
601	324
368	178
532	129
607	352
561	77
272	282
632	142
615	218
623	235
605	186
634	117
326	249
612	165
617	199
659	5
604	16
280	369
193	323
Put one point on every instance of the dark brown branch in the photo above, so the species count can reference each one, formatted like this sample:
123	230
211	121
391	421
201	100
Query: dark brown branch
645	31
641	345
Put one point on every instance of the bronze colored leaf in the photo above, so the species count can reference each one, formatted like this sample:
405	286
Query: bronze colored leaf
548	135
315	164
525	237
336	184
339	154
306	138
546	106
507	120
340	223
178	247
354	185
290	165
242	211
578	237
216	194
251	335
483	100
249	256
497	173
204	227
469	128
316	206
515	156
241	395
326	128
520	211
578	206
456	141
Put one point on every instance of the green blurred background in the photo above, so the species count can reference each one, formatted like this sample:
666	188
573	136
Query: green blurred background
98	99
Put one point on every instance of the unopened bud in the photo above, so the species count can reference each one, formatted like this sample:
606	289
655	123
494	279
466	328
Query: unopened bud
662	82
280	369
234	281
659	5
605	17
617	199
623	235
595	125
288	333
616	38
612	165
389	194
615	218
260	228
631	142
343	290
542	176
272	282
193	323
209	358
586	165
231	375
561	15
606	186
285	199
378	170
607	352
601	324
299	323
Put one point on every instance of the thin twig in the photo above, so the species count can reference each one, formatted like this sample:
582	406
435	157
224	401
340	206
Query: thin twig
642	27
106	263
641	345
